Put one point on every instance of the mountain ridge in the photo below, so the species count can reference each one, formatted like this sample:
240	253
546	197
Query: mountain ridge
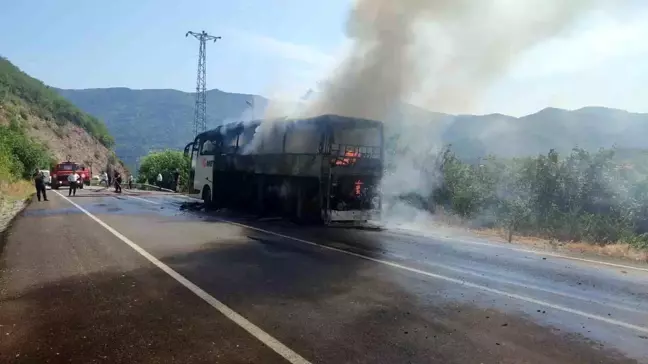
149	119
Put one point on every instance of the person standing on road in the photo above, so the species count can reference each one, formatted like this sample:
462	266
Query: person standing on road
39	183
159	181
130	182
176	179
118	182
109	173
73	179
104	178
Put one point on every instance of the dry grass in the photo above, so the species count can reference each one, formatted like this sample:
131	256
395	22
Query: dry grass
615	250
18	190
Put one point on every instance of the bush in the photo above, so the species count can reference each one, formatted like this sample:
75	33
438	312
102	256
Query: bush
166	163
594	197
20	155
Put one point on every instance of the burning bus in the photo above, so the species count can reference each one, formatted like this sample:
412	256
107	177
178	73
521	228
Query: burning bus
324	169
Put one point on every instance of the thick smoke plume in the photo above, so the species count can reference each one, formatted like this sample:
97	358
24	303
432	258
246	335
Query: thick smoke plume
440	55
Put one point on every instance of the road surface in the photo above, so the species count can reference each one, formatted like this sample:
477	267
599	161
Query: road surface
101	278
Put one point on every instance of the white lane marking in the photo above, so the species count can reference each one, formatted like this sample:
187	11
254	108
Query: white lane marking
177	197
500	246
453	280
143	199
551	254
494	245
254	330
536	288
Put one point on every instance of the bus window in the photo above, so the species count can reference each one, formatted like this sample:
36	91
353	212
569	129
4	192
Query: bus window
364	136
230	141
303	138
207	148
247	136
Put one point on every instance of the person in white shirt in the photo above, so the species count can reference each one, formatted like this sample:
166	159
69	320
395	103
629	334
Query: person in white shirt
159	181
73	179
104	178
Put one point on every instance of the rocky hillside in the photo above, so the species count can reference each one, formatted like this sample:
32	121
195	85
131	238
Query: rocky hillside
52	121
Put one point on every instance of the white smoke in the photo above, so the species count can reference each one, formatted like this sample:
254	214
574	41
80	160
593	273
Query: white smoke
441	55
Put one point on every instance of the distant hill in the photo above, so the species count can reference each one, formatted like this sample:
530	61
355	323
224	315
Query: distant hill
142	120
145	120
52	121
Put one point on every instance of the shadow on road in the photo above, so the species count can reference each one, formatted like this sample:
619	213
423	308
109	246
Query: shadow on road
328	307
142	316
338	308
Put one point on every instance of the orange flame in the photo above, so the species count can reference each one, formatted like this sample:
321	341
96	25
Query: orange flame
350	158
358	187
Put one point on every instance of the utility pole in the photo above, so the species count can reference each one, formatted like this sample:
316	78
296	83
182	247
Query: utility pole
250	104
200	112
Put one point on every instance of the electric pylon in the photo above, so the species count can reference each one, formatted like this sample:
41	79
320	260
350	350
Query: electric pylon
200	112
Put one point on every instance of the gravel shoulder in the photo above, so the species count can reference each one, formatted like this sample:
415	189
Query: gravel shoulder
9	209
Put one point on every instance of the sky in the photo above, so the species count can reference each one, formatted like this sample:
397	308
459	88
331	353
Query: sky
282	48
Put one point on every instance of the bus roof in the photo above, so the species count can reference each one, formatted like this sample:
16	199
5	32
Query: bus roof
324	119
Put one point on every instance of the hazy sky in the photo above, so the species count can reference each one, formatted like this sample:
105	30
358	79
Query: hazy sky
281	48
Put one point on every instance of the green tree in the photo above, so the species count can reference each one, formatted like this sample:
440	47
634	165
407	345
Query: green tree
20	155
166	163
596	197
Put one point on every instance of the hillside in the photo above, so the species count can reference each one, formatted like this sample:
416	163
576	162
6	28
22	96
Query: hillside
51	121
142	120
145	120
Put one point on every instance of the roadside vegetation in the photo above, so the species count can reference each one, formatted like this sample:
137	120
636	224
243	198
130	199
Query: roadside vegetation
18	88
599	198
20	156
165	162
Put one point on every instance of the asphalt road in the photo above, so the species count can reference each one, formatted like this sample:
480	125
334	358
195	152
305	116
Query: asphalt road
101	278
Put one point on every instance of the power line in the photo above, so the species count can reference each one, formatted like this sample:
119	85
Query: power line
200	112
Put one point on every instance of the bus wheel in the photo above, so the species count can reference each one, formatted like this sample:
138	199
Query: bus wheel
207	197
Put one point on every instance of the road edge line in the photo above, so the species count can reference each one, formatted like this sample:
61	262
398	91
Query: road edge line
499	245
232	315
452	280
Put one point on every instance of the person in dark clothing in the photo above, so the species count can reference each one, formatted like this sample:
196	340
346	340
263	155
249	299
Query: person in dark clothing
110	178
39	183
118	181
176	180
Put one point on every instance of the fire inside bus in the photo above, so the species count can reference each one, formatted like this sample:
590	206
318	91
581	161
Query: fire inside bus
324	169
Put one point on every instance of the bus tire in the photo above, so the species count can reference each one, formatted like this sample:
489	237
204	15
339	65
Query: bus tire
207	197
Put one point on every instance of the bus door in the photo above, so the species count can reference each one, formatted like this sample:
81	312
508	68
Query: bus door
190	151
204	165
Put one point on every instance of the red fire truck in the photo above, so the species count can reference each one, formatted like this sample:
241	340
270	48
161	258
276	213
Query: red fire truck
61	171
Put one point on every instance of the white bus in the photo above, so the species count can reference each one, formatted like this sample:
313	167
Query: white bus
325	169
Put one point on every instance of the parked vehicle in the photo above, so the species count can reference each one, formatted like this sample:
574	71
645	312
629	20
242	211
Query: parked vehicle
60	173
